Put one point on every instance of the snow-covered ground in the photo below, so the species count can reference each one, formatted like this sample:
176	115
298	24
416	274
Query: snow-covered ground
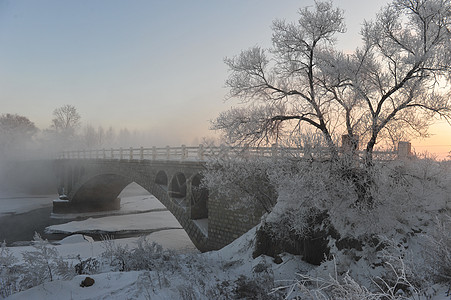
85	246
123	223
209	275
186	275
216	269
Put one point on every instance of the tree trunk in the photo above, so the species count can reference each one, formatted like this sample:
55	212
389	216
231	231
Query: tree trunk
332	147
369	151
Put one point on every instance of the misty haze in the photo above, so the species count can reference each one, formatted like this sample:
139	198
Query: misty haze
225	150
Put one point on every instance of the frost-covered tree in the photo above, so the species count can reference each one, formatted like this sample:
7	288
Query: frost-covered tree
124	137
393	81
283	88
66	120
110	136
92	138
399	74
16	132
15	124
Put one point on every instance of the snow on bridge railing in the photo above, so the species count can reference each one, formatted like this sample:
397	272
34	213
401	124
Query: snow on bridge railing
203	153
199	153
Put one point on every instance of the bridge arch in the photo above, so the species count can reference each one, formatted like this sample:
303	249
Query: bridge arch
99	188
161	178
98	192
177	186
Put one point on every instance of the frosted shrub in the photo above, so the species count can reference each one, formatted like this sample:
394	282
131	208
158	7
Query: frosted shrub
408	196
187	292
345	286
146	256
404	196
402	270
116	254
244	178
439	251
341	288
88	266
9	272
320	196
43	264
304	190
254	288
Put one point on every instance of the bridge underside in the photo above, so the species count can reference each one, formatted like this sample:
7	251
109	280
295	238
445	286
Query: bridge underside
94	185
98	194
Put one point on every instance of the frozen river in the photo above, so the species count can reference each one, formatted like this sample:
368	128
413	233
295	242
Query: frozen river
140	214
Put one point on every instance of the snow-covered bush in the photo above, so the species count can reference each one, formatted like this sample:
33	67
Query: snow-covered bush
241	177
43	264
439	251
257	284
9	272
394	284
146	256
116	254
253	288
405	195
187	292
344	287
36	267
390	244
88	266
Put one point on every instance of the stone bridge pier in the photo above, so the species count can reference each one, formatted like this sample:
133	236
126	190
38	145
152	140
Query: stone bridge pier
94	184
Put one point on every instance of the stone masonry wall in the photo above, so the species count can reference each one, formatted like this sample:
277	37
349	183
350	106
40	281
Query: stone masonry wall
226	223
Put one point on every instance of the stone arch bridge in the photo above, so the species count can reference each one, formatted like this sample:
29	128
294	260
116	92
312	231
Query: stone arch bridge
92	180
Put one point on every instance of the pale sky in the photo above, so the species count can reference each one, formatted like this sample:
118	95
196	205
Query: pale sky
148	65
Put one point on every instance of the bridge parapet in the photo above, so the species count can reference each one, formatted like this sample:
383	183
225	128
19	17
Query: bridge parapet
198	153
203	153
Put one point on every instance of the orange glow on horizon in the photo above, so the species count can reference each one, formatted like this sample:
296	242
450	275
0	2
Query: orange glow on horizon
439	144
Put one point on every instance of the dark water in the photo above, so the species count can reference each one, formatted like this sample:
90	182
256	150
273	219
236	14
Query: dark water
21	227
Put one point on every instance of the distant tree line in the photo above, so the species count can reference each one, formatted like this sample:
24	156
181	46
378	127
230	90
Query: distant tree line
19	136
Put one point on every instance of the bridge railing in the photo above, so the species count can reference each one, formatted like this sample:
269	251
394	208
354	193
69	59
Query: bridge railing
199	153
203	153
